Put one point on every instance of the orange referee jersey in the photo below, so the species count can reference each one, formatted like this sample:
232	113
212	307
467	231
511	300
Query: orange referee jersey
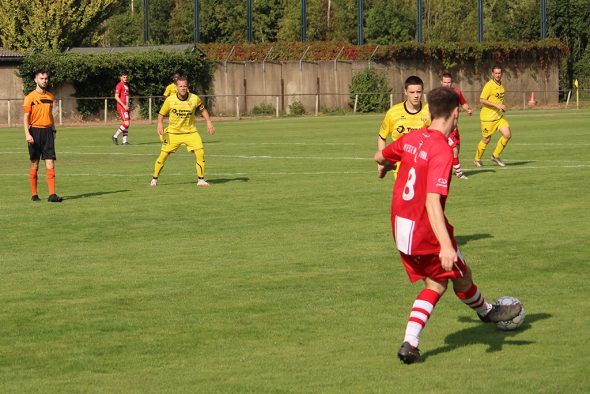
39	105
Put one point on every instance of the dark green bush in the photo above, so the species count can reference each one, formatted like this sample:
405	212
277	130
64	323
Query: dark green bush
373	90
95	75
263	109
296	108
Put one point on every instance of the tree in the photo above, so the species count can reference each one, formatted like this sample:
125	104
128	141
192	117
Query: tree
43	24
388	23
568	21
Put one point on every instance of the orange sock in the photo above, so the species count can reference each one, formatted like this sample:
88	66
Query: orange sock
33	181
51	180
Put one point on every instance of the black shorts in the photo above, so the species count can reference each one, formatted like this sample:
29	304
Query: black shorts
44	145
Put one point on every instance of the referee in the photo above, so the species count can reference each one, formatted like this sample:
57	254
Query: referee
40	134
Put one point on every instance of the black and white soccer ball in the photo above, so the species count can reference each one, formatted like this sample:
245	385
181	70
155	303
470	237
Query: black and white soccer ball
517	321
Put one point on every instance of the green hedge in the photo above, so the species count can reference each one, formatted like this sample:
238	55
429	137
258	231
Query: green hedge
95	75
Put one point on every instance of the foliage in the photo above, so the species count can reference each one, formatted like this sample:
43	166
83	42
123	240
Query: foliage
296	108
449	55
28	24
96	75
372	89
389	23
263	109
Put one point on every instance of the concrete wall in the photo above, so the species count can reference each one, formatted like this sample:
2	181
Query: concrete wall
249	84
330	81
11	95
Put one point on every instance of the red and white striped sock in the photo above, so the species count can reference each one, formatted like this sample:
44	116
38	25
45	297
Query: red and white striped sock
473	299
421	311
457	167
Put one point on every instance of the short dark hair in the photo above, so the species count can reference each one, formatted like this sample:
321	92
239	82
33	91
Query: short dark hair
442	101
495	66
413	80
123	73
42	71
175	76
181	78
446	75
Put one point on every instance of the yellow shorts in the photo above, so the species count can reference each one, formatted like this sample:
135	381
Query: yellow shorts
171	142
489	128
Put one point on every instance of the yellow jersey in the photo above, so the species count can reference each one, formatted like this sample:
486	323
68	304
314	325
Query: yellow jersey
493	92
398	121
170	90
181	113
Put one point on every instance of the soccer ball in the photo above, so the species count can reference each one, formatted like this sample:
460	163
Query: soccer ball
515	322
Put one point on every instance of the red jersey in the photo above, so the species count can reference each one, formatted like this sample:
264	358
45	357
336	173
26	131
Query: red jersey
425	167
122	89
462	100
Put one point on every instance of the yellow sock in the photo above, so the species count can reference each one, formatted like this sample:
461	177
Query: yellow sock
160	161
200	154
481	148
502	142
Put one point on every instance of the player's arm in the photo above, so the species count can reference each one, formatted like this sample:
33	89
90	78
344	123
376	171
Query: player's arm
384	165
436	216
160	127
26	125
467	109
488	103
210	127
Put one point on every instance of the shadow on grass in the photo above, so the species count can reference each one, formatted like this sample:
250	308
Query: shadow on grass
146	143
518	163
93	194
486	334
216	181
462	240
470	173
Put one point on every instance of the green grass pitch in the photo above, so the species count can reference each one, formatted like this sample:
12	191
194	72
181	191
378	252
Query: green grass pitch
282	276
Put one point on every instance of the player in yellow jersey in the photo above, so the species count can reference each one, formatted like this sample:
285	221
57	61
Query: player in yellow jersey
492	118
182	130
171	89
410	114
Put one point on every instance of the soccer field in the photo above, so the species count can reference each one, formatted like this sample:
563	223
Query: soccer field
282	276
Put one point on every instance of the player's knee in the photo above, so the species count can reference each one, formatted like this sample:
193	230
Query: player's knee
439	287
486	140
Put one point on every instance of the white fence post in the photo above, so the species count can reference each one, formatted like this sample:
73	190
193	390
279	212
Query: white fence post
356	101
60	113
277	105
391	100
317	104
9	118
105	111
237	107
150	109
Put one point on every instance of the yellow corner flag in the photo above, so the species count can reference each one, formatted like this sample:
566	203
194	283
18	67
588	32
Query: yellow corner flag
576	83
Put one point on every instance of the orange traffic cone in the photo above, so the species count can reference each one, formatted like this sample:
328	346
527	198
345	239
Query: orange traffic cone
532	101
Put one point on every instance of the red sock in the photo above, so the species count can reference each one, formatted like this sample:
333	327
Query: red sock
51	180
474	299
421	311
33	181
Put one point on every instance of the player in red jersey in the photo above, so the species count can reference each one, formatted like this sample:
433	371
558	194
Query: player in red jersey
421	231
454	138
122	98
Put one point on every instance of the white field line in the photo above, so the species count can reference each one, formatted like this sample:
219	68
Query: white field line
301	173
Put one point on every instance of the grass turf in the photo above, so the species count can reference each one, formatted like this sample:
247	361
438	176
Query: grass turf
282	277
